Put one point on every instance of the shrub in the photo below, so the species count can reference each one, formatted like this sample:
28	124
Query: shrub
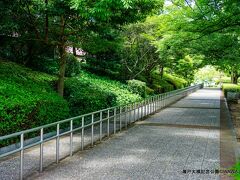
160	85
45	64
120	90
84	97
137	87
149	91
230	88
27	99
73	66
177	82
87	93
223	80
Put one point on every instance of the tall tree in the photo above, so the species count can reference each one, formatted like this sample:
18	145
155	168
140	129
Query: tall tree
63	23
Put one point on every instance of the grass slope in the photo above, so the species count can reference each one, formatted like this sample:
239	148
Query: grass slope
27	99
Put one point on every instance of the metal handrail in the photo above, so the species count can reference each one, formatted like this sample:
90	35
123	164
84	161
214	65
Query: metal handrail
143	107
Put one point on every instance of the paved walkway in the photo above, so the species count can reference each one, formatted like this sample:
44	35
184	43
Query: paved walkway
181	138
172	144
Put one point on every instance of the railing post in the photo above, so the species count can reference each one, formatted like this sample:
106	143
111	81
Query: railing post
145	107
148	102
155	103
108	123
120	119
138	112
150	105
134	112
71	137
167	99
100	130
41	150
21	155
82	134
126	111
164	99
160	103
130	114
57	145
114	120
92	127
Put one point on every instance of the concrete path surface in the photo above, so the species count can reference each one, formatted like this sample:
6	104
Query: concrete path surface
180	142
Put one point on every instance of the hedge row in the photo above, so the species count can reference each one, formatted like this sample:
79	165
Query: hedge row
230	88
166	83
177	82
88	92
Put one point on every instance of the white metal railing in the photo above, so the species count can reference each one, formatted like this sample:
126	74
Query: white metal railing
124	115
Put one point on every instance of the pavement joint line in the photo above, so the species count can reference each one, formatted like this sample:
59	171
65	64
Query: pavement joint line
186	107
207	144
195	139
190	99
177	125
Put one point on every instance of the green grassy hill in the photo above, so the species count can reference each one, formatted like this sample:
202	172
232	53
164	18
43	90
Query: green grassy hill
27	99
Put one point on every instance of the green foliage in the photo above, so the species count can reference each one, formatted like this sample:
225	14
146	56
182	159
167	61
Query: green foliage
84	97
236	168
88	92
137	87
226	80
149	91
105	64
210	74
90	25
162	86
230	88
223	79
177	82
73	66
166	83
44	64
27	99
138	54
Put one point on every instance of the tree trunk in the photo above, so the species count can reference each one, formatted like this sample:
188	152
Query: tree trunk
74	51
161	70
46	23
150	80
234	79
234	76
62	60
28	59
62	67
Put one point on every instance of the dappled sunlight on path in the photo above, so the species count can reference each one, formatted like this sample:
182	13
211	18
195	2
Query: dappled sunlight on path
155	151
